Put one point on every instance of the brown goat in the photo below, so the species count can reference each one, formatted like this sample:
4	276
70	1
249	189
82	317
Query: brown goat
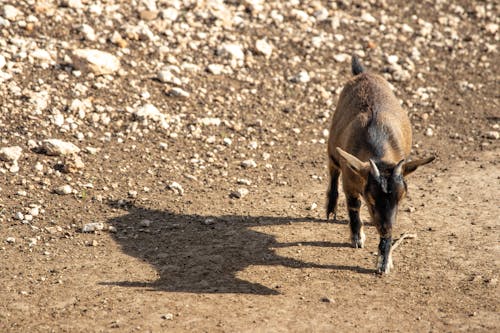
370	139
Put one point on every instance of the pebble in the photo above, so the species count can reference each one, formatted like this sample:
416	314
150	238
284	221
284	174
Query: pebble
429	132
93	227
10	154
167	316
73	163
10	240
215	69
301	77
56	147
11	13
132	194
209	121
63	190
176	187
493	135
263	47
166	76
3	62
240	193
88	32
341	57
232	51
95	61
248	164
145	223
19	216
178	92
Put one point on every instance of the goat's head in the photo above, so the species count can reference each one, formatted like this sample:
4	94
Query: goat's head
384	188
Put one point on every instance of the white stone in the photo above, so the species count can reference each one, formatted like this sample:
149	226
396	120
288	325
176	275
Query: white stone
227	141
429	132
145	223
249	164
10	240
215	69
178	92
230	50
240	193
88	32
166	76
492	28
19	216
170	14
11	13
493	135
92	227
95	61
243	181
341	57
392	59
263	47
176	187
148	111
301	77
56	147
209	121
63	190
3	62
10	154
42	55
35	211
367	17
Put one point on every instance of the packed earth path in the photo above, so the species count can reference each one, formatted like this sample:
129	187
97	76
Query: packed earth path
163	166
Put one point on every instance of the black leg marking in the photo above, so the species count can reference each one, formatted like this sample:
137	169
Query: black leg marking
333	194
384	250
357	235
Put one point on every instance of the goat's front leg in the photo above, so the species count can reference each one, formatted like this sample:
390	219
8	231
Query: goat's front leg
357	234
384	261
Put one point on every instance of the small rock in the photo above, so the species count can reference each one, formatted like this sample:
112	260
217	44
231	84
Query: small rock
95	61
176	187
341	57
19	216
3	62
248	164
215	69
209	221
210	121
63	190
10	154
367	17
10	240
132	194
167	316
327	300
166	76
178	92
88	32
301	77
240	193
493	135
263	47
93	227
233	51
28	217
11	13
56	147
313	206
145	223
112	229
429	132
73	163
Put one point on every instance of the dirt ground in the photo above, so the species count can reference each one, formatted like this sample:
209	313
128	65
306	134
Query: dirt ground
205	261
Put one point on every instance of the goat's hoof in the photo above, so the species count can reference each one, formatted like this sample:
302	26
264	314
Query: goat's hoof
384	267
358	241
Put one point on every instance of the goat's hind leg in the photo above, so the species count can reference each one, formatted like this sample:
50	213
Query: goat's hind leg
333	193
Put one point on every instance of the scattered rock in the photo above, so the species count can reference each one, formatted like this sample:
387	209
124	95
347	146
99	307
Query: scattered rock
63	190
95	61
10	154
232	51
176	187
10	240
239	193
301	77
93	227
493	135
56	147
73	163
263	47
178	92
248	164
145	223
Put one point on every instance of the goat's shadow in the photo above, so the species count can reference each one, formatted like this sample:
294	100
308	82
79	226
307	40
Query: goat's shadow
203	254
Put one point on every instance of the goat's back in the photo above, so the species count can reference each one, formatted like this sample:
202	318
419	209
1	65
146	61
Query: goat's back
369	121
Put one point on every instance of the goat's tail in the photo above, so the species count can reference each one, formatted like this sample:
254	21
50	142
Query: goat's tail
356	66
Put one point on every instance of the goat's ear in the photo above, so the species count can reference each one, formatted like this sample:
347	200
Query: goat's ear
359	167
411	166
